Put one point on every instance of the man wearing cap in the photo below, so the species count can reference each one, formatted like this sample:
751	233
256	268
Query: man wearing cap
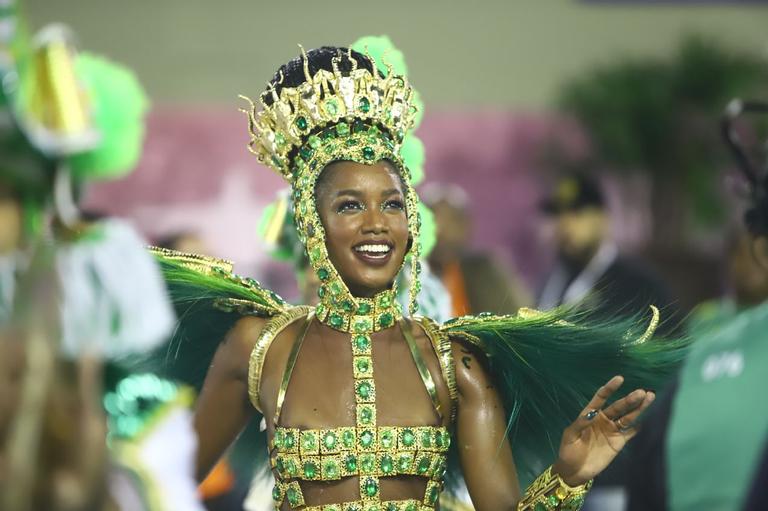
590	272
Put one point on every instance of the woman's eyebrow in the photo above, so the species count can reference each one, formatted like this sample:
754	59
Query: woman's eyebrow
354	193
391	191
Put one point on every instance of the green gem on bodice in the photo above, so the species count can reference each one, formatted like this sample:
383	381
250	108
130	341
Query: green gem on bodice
553	501
434	493
404	462
363	365
371	487
348	306
350	463
323	274
348	439
385	300
386	320
289	440
363	325
335	320
278	440
423	465
408	437
329	440
387	439
330	469
364	390
367	463
574	503
366	415
276	493
426	438
362	342
310	470
540	506
410	507
387	464
293	497
290	468
366	438
364	308
308	441
392	507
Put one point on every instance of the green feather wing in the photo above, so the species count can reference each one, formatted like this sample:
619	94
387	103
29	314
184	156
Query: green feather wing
209	298
548	365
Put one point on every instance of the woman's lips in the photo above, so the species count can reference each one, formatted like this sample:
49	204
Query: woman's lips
374	254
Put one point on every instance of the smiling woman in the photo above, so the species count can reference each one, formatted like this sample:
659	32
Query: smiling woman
361	404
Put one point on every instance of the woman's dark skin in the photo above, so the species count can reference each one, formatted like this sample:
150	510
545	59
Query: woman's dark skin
359	203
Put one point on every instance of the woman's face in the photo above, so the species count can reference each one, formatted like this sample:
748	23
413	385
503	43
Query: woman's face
362	209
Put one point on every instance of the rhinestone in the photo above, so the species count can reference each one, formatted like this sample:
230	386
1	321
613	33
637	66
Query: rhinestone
328	133
404	463
348	439
276	493
308	441
423	465
363	365
387	439
289	441
278	439
330	469
310	470
366	415
366	438
348	306
408	437
335	320
277	162
553	501
306	153
280	139
331	106
362	342
387	464
314	141
323	274
350	463
540	506
358	126
329	440
433	495
301	123
364	308
342	129
364	390
364	105
371	487
293	497
367	463
426	438
386	320
369	153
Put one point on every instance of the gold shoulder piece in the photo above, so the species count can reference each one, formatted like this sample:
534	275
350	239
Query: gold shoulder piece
441	343
268	334
197	262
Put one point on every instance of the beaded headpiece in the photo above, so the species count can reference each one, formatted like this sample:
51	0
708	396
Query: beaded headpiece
358	115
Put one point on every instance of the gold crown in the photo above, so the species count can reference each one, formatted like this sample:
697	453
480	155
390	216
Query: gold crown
296	115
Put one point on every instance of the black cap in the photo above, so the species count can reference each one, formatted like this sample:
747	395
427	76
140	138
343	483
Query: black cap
573	192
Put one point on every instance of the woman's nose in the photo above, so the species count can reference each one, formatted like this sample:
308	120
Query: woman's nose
373	221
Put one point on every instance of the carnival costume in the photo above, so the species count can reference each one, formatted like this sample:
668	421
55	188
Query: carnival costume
546	368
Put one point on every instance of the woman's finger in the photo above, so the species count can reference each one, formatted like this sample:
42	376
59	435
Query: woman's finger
626	423
592	410
623	406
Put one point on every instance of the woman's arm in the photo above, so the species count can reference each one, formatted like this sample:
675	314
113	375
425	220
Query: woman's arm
587	447
481	424
223	408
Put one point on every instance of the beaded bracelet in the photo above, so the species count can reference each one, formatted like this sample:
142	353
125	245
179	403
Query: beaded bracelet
549	493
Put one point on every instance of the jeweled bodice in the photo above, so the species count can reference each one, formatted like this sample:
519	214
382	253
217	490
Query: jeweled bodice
367	450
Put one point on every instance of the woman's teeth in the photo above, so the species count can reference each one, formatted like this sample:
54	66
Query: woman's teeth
374	250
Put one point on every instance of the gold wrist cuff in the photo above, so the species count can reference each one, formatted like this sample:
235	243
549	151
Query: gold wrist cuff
549	493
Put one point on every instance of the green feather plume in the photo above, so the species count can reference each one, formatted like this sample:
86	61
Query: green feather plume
547	366
119	105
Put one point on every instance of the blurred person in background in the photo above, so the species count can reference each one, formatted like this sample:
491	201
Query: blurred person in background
475	281
77	433
746	285
700	445
591	274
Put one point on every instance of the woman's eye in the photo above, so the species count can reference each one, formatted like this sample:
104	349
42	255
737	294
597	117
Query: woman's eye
394	204
349	205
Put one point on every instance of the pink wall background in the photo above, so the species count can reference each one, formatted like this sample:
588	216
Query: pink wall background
197	174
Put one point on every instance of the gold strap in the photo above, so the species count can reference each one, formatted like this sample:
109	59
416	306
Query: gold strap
441	343
290	365
426	376
268	334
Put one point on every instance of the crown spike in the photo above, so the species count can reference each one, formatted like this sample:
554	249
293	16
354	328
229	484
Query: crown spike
335	61
352	61
305	61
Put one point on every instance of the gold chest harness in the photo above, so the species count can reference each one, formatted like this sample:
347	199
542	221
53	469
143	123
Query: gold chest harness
367	451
